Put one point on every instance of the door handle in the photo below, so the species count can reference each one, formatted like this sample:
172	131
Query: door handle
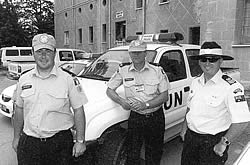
186	89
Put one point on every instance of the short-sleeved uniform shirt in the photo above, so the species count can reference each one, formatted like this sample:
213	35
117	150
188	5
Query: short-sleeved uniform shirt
215	105
143	85
46	102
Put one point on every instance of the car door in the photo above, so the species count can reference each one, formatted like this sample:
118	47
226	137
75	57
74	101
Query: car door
174	65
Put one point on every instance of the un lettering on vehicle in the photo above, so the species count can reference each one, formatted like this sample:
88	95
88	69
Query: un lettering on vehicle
175	99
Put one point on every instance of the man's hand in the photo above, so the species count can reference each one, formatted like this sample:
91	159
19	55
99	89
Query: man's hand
78	149
220	148
15	144
126	105
137	105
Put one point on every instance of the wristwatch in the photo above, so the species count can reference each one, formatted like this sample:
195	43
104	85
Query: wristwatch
147	105
80	141
225	141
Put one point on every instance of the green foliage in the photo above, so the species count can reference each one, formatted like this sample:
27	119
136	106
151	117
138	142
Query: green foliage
21	20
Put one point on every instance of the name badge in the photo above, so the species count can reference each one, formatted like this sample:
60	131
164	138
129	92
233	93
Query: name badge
139	88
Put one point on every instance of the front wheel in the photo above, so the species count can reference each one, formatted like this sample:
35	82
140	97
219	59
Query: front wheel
113	150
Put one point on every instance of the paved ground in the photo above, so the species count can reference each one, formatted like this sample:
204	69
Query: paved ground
172	149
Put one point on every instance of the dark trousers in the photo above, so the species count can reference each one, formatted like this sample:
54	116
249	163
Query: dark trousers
148	129
198	149
56	150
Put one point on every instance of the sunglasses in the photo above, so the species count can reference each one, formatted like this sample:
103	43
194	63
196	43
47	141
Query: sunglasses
209	59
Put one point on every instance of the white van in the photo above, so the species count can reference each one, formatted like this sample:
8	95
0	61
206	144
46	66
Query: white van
16	54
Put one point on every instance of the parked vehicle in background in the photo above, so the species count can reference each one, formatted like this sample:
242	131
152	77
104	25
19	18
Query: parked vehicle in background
15	69
14	53
72	67
244	158
106	121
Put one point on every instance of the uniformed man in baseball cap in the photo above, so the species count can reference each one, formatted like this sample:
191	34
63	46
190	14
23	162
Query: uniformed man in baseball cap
43	118
146	89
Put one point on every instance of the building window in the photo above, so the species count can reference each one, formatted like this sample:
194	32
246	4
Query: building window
104	2
104	33
80	35
164	31
91	6
66	14
246	25
80	10
164	1
91	34
66	38
139	4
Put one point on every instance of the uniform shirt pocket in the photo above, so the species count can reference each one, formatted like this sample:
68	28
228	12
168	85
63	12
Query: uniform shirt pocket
151	86
27	93
57	99
214	100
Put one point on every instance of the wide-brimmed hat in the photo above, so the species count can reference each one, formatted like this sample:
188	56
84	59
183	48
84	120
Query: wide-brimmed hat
211	49
41	41
137	46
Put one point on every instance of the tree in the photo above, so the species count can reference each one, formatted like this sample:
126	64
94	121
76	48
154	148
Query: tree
22	19
38	15
11	33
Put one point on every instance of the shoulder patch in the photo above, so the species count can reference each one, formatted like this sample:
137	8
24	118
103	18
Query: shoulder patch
238	90
124	64
228	79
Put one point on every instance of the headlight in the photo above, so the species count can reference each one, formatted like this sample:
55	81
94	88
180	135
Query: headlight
6	98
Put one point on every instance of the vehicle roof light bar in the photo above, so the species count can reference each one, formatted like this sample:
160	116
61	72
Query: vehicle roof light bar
159	37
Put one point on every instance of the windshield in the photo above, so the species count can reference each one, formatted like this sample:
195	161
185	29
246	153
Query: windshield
107	64
74	68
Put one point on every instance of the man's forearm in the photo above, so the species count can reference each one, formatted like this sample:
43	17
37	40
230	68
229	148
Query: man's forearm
80	123
114	96
160	99
18	121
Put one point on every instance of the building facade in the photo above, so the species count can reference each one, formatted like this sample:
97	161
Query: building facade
97	25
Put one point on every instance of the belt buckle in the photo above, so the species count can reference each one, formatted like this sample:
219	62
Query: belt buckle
43	139
148	115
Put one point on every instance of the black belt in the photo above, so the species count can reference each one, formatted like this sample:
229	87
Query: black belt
47	138
151	114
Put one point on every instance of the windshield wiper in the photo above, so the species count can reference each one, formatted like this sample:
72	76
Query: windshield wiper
94	76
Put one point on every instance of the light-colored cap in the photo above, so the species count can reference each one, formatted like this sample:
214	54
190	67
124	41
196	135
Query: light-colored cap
137	46
44	40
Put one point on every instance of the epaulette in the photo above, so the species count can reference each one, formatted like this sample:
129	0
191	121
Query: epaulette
67	71
228	79
155	64
26	71
124	64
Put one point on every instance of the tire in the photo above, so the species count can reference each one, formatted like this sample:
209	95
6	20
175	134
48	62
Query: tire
113	150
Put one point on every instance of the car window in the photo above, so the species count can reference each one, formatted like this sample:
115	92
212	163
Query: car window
25	52
107	64
79	55
173	64
12	53
193	64
65	56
